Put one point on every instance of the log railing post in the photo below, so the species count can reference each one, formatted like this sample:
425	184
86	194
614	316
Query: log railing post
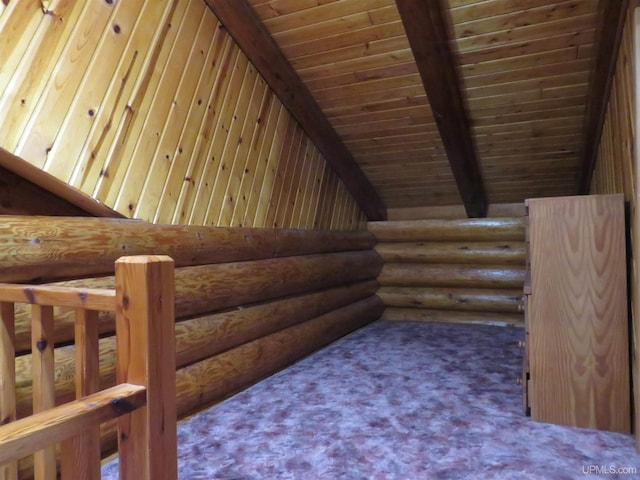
145	339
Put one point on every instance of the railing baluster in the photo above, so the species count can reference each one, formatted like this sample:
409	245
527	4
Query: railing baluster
80	455
8	471
42	343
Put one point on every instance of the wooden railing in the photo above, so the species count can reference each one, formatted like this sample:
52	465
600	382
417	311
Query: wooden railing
143	401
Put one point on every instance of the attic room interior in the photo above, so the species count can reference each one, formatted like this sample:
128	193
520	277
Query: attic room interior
302	239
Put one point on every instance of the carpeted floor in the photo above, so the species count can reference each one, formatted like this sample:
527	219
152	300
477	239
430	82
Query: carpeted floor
396	401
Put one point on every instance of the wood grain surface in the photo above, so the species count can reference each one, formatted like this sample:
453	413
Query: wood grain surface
470	299
25	436
93	86
616	168
19	196
452	316
207	288
8	470
145	341
444	275
507	253
454	270
43	375
219	376
199	338
80	454
41	249
578	332
487	229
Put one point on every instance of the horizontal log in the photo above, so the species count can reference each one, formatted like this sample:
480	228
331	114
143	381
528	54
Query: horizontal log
211	380
199	338
448	316
207	288
207	336
453	211
218	377
468	299
461	230
44	249
437	275
474	253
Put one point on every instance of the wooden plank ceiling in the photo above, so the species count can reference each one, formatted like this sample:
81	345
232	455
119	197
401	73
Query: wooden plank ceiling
526	65
523	67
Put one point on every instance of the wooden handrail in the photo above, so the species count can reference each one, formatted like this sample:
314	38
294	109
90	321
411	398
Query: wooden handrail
27	435
87	298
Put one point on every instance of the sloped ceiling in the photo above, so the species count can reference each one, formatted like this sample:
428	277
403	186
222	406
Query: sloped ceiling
532	77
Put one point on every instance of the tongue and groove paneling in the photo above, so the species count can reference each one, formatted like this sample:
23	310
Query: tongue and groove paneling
151	108
355	59
526	66
455	271
616	171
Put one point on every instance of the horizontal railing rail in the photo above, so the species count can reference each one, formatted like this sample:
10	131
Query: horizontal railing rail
54	296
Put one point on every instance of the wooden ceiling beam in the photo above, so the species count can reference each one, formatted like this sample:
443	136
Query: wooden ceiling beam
30	190
243	24
612	15
427	28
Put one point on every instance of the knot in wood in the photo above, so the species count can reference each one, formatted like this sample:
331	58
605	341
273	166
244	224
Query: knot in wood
42	344
31	298
122	406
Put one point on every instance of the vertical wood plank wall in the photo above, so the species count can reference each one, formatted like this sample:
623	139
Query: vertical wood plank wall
153	109
616	167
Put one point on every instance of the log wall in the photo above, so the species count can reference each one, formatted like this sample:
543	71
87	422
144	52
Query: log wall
616	169
453	211
248	301
455	271
151	108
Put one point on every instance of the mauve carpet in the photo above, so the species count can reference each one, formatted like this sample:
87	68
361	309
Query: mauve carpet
396	401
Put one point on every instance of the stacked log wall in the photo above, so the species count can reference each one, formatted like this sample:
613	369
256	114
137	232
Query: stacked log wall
454	271
248	301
